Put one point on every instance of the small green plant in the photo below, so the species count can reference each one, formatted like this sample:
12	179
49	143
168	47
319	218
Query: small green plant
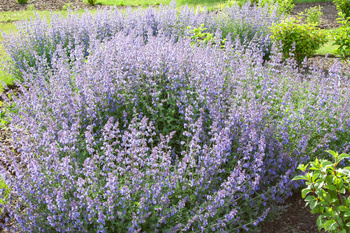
66	6
22	1
342	37
92	2
199	35
302	39
313	15
327	192
343	6
30	8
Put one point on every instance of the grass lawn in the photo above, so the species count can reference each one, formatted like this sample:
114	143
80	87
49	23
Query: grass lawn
5	77
328	48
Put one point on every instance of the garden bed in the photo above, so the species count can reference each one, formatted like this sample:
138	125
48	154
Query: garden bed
296	219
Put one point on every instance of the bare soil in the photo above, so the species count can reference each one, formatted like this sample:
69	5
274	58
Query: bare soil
296	218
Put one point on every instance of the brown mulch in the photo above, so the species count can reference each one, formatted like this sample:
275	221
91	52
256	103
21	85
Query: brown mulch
40	5
297	218
329	10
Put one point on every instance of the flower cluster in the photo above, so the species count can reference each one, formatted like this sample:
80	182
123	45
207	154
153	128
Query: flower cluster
156	136
41	38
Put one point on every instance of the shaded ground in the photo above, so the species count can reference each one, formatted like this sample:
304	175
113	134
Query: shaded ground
297	218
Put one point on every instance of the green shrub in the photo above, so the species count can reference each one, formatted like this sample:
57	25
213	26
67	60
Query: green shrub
200	35
343	6
22	1
92	2
313	15
342	38
302	39
327	192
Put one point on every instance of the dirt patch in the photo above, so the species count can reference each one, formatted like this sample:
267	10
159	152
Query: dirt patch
329	10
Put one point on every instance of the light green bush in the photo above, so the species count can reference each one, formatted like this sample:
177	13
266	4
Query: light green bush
302	39
22	1
313	15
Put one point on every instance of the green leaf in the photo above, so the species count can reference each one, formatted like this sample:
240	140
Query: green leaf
331	187
319	184
329	180
319	222
327	225
313	204
300	178
319	192
326	163
334	200
347	215
305	192
314	177
342	156
334	154
343	208
344	171
323	203
310	198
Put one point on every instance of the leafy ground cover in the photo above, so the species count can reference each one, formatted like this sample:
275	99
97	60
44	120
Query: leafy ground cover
132	119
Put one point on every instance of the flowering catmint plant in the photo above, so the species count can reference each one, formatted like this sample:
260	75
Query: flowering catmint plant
163	136
156	136
40	38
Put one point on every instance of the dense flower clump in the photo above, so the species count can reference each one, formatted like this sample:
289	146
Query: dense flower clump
40	38
162	135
